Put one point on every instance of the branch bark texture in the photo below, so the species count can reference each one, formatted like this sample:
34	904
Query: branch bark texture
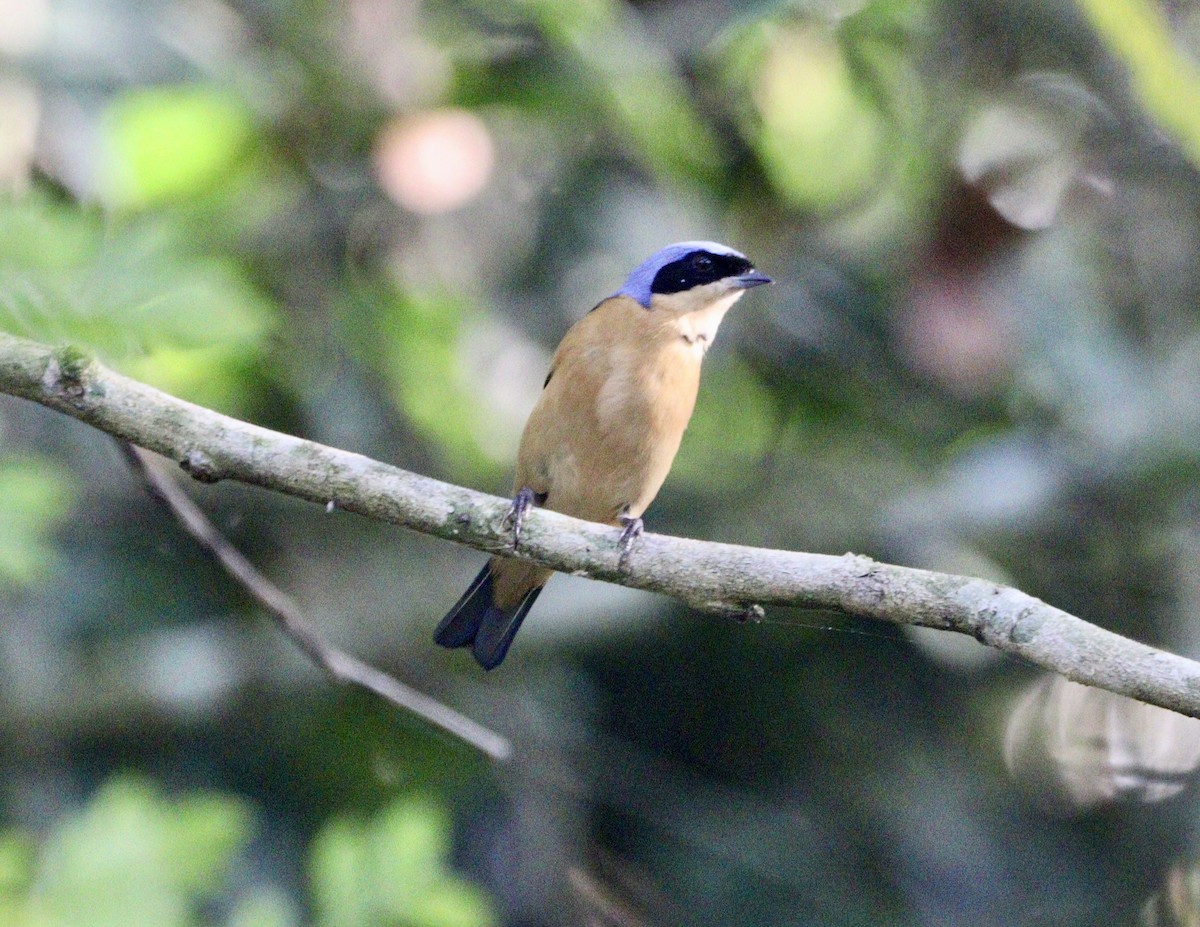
725	578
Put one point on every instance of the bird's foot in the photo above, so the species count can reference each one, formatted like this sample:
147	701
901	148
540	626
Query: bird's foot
634	527
521	504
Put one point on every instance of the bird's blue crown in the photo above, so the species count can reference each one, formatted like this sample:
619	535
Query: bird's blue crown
637	285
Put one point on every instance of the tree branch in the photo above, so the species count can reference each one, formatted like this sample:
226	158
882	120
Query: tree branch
338	665
724	578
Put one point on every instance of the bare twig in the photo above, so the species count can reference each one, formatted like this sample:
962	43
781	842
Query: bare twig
605	908
725	578
337	664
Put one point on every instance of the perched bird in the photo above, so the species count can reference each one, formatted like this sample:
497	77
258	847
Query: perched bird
605	430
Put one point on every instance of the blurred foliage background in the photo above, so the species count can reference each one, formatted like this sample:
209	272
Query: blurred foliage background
368	222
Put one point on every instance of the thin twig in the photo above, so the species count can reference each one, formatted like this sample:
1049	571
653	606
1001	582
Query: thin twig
337	664
607	910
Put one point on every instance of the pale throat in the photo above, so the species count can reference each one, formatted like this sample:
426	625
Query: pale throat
699	328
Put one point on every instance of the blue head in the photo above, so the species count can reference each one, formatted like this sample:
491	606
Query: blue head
690	264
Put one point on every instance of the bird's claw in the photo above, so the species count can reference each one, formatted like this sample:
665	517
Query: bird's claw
633	528
515	518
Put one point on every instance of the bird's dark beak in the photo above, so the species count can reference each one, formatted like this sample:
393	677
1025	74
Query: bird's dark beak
751	278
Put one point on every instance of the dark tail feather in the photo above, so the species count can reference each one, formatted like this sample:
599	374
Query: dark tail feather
461	624
475	621
497	630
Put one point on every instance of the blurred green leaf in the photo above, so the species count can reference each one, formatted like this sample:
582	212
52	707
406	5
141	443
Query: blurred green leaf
422	364
136	858
821	141
1167	80
36	495
264	907
338	874
131	858
16	863
632	80
408	842
451	903
731	429
172	142
201	835
136	292
413	341
392	870
107	866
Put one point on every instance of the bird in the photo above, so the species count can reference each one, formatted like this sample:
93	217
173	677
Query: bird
605	430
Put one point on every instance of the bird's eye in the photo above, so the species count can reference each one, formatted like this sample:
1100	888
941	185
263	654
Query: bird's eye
702	262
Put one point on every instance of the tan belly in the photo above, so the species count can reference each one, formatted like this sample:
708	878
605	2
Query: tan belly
605	447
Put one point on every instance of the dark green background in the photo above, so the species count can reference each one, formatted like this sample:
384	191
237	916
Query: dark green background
982	355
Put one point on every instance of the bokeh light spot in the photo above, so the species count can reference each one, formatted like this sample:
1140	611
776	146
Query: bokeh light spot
436	161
